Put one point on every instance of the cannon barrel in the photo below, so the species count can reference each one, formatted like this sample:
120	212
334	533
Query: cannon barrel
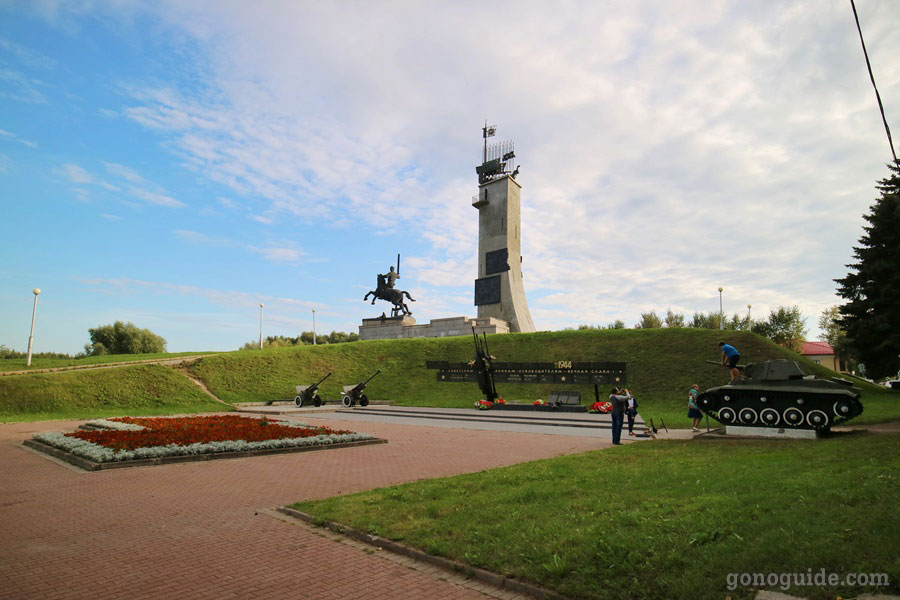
361	386
315	386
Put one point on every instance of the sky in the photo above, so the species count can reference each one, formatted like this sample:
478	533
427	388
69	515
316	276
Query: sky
175	163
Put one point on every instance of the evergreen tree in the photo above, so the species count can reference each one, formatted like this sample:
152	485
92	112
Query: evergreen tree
871	316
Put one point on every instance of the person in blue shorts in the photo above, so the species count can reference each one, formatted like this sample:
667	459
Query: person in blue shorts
730	358
694	410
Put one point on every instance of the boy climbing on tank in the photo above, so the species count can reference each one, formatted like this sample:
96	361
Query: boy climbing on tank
730	358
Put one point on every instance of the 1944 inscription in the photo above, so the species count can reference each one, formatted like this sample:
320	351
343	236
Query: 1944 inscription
561	372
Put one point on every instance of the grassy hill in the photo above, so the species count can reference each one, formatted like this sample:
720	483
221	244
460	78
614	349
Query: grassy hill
662	365
18	364
138	390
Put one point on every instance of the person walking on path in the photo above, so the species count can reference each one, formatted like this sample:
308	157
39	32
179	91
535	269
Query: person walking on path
730	358
694	410
619	399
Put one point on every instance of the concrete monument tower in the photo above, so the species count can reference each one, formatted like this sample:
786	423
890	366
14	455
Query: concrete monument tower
498	290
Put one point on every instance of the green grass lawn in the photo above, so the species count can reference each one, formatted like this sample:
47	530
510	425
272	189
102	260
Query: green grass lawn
18	364
133	391
658	520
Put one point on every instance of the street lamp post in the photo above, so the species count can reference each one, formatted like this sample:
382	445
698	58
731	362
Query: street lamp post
35	291
314	327
260	325
748	317
721	312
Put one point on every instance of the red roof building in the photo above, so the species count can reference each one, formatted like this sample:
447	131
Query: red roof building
822	353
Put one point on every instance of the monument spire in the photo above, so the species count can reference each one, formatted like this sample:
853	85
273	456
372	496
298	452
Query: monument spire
499	292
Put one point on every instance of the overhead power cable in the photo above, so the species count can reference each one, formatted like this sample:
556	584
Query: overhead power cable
887	129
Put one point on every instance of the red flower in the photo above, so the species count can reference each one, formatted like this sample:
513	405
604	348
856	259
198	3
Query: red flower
184	431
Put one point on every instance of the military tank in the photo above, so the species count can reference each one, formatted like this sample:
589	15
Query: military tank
777	393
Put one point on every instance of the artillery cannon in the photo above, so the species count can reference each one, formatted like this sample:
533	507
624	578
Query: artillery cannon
484	369
306	394
777	393
353	393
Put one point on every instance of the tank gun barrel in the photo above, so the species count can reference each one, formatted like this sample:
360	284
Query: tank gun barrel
714	362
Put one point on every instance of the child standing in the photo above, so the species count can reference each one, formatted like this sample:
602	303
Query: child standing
694	410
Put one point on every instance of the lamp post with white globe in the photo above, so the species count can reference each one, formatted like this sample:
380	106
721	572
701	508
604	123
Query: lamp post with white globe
35	291
721	312
260	325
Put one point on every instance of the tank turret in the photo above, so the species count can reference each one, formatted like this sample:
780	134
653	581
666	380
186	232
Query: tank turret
777	393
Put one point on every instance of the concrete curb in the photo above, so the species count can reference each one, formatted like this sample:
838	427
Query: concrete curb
89	465
483	575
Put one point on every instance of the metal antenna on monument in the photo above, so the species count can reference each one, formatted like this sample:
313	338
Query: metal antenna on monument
486	132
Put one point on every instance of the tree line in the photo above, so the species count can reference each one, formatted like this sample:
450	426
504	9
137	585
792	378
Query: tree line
785	325
304	339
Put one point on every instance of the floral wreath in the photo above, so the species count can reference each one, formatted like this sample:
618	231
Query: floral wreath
600	407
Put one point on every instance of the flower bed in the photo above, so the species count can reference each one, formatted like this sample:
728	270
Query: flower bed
139	440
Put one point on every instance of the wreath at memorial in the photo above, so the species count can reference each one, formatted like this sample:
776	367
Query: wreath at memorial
600	407
483	405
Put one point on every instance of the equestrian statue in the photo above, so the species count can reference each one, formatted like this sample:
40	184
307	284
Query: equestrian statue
385	291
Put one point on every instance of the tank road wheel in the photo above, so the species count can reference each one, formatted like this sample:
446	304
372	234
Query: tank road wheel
770	416
346	401
793	417
317	400
298	401
363	400
748	416
841	408
727	415
817	419
704	401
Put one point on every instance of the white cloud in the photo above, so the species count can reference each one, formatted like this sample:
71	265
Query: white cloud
13	136
279	254
666	148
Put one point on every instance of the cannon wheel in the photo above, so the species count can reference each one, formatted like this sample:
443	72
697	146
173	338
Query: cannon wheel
346	401
317	401
298	401
363	400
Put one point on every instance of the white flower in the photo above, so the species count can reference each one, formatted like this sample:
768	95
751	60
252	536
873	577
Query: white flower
98	453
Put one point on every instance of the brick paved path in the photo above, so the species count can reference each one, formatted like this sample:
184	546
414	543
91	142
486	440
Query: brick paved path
195	531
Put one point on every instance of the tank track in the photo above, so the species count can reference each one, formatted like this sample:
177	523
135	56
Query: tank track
786	408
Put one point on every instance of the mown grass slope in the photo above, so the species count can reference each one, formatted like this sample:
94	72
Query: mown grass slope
138	390
18	364
662	365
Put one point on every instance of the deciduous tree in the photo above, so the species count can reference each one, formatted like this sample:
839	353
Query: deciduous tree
785	326
123	338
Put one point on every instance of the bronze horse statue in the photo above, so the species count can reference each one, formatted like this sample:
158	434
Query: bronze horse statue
389	294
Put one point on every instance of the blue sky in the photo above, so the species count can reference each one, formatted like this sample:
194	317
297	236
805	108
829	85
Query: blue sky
174	164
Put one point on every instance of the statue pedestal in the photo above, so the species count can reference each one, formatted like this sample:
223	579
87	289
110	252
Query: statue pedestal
392	328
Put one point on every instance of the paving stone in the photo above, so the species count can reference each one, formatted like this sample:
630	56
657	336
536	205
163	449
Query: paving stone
194	530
